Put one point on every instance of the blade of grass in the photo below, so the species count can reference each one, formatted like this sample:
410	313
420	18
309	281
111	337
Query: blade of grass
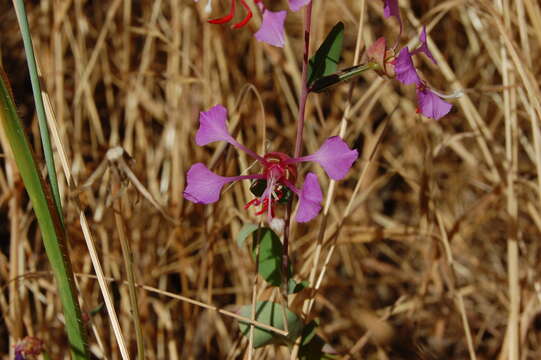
48	219
38	100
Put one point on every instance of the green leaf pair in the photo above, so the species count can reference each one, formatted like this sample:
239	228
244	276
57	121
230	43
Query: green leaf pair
322	67
272	314
312	346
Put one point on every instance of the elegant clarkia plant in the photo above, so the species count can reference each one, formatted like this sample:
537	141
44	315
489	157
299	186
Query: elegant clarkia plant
272	27
276	181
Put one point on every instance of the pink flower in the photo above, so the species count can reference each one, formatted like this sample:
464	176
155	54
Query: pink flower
429	103
276	181
272	27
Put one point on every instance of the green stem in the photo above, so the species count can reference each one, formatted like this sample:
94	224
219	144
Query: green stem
341	76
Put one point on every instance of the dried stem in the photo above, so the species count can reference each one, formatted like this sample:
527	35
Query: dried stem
128	264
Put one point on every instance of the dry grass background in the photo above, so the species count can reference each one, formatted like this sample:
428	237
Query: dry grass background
444	212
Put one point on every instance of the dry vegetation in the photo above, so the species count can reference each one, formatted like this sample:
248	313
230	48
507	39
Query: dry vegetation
433	232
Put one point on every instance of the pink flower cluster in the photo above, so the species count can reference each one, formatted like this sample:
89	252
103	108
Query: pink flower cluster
278	176
272	27
429	102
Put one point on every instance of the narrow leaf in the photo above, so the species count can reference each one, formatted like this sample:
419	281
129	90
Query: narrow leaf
325	60
325	82
48	219
38	100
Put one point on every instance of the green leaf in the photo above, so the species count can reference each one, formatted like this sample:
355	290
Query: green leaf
325	60
246	230
313	347
294	287
308	332
272	314
270	255
48	219
315	350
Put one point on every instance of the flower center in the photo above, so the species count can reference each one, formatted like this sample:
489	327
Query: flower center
273	189
275	167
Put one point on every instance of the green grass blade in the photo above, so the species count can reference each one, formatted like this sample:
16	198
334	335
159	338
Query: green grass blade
38	99
48	219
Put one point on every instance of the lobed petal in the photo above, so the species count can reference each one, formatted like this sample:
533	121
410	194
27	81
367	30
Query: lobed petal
272	28
431	105
404	68
309	200
203	186
296	5
212	126
424	46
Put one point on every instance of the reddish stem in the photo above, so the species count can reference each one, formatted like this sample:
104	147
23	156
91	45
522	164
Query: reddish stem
300	127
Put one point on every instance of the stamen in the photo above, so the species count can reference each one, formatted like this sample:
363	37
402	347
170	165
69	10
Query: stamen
255	201
264	207
247	18
226	18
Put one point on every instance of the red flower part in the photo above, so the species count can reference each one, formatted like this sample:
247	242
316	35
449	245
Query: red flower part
226	18
246	18
229	16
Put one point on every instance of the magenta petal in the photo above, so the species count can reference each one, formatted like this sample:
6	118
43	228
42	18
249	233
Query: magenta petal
391	9
430	104
424	46
212	126
335	157
310	199
203	186
404	68
296	5
272	28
